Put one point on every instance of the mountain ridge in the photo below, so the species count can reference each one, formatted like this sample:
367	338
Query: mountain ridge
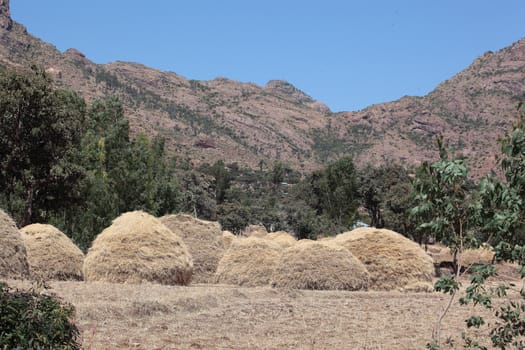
204	121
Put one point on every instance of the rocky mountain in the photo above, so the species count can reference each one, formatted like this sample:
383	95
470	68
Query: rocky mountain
242	122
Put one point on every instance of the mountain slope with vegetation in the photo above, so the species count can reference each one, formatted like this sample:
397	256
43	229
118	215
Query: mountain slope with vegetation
204	121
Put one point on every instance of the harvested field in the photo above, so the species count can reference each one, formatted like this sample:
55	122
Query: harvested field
152	316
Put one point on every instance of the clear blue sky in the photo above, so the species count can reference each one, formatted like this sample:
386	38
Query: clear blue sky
348	54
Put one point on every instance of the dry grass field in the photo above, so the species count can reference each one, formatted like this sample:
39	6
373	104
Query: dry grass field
150	316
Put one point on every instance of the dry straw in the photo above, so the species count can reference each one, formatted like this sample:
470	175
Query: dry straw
317	265
254	231
419	287
442	254
51	254
13	255
481	255
392	260
284	239
204	240
249	262
227	239
138	248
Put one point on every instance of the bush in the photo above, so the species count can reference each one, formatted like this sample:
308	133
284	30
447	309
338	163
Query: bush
31	320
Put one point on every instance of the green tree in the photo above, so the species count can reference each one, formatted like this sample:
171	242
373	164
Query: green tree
339	192
500	209
40	131
496	211
122	174
444	211
442	200
396	208
384	193
277	174
222	180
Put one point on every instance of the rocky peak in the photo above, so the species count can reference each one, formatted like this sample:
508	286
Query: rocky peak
290	92
5	15
284	88
75	56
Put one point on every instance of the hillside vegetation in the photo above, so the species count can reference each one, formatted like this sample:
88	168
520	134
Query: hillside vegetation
221	119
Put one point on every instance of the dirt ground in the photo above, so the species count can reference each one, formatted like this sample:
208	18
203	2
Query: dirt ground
149	316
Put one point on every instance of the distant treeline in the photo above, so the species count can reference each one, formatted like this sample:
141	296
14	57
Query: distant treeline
76	166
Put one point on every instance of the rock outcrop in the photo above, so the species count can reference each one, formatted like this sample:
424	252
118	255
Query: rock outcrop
5	15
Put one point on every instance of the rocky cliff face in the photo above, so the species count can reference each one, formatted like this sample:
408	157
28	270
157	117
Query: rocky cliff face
241	122
5	15
472	110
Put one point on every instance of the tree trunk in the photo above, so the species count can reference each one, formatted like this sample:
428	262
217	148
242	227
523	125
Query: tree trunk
28	211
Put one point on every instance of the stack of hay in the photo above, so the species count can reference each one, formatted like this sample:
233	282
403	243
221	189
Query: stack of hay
249	262
138	248
51	254
204	240
284	239
483	254
317	265
13	255
393	261
254	231
227	239
442	256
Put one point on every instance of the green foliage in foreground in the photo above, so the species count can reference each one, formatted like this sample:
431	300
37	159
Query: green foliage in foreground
74	166
30	320
493	213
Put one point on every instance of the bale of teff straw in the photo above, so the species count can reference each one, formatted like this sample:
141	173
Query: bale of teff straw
204	242
138	248
284	239
392	260
321	266
254	231
249	262
13	254
439	253
472	256
51	254
481	255
227	239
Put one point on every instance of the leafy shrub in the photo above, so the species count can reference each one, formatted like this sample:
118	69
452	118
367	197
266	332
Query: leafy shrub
31	320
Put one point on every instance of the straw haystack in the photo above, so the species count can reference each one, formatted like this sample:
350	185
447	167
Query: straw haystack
13	255
442	256
51	254
227	239
284	239
254	231
316	265
138	248
481	255
392	260
249	262
204	241
439	253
